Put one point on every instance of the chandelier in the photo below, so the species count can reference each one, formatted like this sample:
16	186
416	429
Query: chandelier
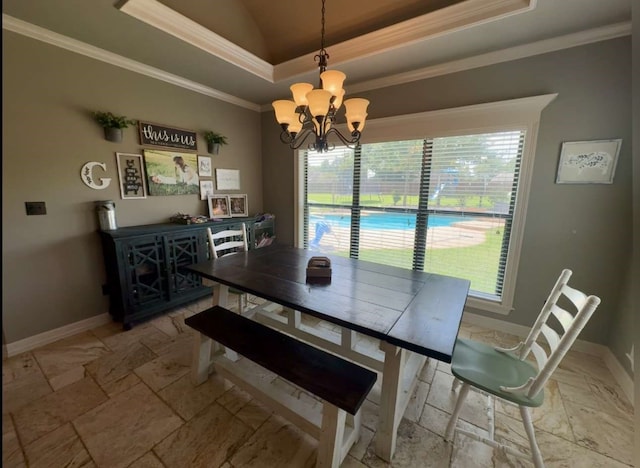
313	111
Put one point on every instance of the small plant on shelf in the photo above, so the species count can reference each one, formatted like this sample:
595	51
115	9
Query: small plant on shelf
112	124
214	141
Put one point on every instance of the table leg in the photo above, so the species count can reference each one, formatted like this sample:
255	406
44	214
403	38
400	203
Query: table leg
390	414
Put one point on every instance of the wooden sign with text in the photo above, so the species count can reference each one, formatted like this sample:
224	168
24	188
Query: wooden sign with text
168	137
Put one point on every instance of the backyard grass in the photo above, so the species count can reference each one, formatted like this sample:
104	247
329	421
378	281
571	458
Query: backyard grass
478	263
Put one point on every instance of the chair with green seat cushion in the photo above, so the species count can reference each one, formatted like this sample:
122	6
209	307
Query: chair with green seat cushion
507	374
227	242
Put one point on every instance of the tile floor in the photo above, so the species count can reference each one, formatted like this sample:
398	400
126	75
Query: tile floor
110	398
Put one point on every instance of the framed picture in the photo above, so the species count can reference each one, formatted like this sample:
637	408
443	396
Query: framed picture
206	189
171	173
227	179
131	175
588	162
238	204
218	206
204	166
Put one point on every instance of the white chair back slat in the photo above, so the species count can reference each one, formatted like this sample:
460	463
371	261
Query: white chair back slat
233	240
577	297
540	354
555	293
233	246
580	320
564	317
553	338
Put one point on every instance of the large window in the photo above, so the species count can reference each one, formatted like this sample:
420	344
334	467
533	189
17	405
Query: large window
449	204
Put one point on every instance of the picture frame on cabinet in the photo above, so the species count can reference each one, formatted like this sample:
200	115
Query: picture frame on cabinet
238	204
218	206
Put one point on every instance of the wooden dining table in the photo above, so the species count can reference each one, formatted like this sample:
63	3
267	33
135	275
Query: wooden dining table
413	314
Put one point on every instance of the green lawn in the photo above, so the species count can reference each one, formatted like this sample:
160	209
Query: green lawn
460	262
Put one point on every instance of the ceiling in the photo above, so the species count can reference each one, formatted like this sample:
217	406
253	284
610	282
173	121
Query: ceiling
250	51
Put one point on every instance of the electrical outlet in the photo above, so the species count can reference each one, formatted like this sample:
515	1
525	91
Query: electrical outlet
35	208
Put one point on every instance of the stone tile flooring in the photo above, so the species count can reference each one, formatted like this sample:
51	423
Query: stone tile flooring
110	398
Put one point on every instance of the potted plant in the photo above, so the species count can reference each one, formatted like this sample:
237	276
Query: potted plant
214	141
112	124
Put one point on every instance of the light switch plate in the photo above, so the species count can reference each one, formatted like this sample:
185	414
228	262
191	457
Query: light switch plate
36	208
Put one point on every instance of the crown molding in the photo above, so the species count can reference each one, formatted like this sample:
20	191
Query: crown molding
170	21
457	17
36	32
505	55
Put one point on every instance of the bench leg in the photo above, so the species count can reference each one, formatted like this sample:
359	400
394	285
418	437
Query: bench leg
394	361
331	436
201	358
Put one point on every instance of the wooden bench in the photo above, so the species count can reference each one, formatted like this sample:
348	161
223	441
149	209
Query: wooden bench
341	385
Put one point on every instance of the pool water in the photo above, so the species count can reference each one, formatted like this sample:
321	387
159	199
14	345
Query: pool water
386	220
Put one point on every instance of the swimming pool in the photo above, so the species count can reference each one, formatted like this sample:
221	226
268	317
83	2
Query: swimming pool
386	220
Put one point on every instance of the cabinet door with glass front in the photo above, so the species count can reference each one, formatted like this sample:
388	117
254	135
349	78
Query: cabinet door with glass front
144	272
183	249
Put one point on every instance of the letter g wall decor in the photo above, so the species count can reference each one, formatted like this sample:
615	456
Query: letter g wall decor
86	174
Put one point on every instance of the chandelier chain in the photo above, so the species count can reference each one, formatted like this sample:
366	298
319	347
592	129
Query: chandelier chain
322	57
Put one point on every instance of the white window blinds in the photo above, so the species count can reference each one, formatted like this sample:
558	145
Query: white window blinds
443	205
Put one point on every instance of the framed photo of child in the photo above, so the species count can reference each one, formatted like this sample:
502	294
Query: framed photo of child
238	205
219	206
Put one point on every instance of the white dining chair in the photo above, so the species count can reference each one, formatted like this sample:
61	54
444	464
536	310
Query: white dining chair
228	242
506	374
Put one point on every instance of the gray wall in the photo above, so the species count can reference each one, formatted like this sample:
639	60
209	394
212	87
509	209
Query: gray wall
583	227
52	265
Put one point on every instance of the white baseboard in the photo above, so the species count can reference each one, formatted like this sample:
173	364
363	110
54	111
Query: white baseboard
27	344
622	378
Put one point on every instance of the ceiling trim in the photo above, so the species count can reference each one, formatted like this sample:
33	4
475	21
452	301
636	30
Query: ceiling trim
170	21
456	17
453	18
36	32
505	55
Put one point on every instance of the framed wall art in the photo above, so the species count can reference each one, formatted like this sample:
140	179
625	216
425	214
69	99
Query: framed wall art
238	205
218	206
588	162
152	134
227	179
206	189
204	166
131	176
171	173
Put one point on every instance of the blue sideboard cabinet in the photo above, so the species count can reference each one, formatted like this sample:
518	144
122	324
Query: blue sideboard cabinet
144	265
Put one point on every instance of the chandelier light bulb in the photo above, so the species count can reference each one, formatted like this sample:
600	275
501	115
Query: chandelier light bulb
300	91
285	111
332	81
319	102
